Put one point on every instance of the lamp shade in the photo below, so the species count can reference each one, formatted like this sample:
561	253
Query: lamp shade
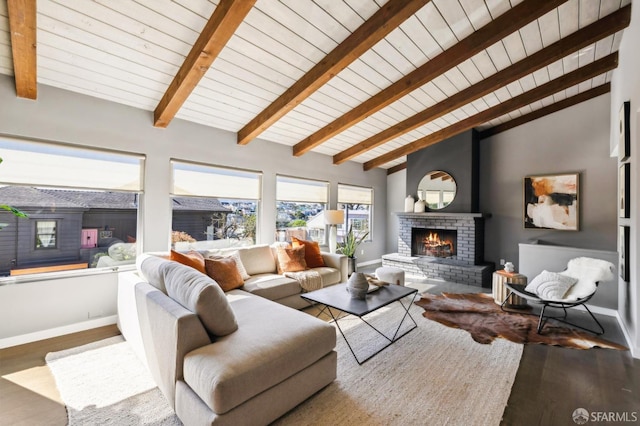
334	217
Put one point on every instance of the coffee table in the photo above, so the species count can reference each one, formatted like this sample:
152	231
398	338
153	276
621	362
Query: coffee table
337	297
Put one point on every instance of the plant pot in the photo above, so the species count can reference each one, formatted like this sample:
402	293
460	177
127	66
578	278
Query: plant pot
351	265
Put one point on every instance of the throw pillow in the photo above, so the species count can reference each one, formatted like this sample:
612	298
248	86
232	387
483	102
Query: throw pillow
312	254
192	258
224	271
291	259
235	255
550	285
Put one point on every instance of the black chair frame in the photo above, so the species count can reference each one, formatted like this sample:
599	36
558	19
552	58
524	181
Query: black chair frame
519	290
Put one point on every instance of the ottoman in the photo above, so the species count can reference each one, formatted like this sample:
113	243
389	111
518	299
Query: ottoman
390	275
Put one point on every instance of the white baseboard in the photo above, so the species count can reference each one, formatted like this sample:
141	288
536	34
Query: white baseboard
635	351
58	331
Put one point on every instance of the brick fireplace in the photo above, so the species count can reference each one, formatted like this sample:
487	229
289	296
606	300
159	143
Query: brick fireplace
447	246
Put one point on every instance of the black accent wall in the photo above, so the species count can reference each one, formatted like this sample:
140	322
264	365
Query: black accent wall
458	156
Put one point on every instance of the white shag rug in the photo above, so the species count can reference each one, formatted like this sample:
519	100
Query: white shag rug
432	375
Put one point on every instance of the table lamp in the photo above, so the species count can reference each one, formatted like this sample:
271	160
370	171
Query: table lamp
333	218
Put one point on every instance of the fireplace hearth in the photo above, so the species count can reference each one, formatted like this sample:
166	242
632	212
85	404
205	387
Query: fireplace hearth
433	242
455	255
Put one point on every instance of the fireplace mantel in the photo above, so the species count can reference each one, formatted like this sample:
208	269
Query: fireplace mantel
442	215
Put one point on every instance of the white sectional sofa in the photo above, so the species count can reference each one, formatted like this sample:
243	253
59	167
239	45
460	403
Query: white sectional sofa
232	358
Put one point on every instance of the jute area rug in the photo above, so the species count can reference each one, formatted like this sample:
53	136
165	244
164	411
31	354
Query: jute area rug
434	375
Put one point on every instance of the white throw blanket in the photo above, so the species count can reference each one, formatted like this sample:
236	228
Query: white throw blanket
309	280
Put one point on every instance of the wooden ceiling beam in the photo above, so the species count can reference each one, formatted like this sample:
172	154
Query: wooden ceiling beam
22	28
494	31
590	34
223	23
568	80
557	106
385	20
396	168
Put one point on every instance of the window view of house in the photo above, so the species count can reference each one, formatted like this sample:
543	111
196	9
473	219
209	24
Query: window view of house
87	219
357	203
213	206
300	204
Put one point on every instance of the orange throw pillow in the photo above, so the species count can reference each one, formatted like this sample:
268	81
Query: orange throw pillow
312	254
192	258
291	259
224	271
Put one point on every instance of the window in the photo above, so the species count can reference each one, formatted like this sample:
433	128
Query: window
299	204
68	194
213	206
357	203
45	234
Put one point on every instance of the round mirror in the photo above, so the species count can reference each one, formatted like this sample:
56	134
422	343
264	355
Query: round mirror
437	189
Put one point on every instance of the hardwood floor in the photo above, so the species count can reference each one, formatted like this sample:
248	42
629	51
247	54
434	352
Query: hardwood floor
28	394
550	384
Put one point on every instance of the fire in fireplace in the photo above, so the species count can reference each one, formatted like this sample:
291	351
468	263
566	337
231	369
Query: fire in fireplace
433	242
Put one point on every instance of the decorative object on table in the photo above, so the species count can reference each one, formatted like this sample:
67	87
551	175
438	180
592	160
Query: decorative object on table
509	267
408	204
357	286
624	252
477	314
333	218
419	206
625	189
373	280
348	246
551	202
624	144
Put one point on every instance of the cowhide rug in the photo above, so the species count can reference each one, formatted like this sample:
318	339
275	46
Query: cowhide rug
478	314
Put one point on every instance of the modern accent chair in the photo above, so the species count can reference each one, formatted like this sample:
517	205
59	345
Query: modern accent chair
572	287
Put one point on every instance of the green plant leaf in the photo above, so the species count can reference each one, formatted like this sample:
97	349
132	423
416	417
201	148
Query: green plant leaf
13	210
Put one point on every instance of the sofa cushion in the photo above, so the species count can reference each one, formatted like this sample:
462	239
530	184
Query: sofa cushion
235	255
272	286
273	342
291	259
200	294
329	276
192	259
224	271
258	259
312	254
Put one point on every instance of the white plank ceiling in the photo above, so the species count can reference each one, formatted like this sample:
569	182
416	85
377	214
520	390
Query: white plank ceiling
128	51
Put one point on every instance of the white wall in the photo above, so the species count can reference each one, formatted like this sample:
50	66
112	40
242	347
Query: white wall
62	116
396	193
625	86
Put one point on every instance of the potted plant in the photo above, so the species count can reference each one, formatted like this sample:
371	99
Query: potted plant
349	245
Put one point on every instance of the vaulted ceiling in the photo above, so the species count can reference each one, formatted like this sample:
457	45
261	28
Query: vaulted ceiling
360	80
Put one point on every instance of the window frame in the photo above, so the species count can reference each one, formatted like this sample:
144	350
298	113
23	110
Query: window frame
37	234
225	171
104	161
302	181
347	219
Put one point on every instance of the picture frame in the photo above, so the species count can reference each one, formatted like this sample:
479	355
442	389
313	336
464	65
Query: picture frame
624	144
625	190
552	201
623	254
